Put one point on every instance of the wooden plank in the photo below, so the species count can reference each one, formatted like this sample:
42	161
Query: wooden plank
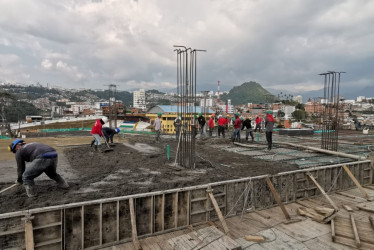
348	208
371	210
272	189
356	182
29	236
357	238
218	211
133	225
323	192
254	238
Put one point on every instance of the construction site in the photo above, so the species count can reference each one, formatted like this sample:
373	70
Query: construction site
310	190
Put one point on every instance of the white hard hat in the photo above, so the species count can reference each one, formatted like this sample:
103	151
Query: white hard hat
105	119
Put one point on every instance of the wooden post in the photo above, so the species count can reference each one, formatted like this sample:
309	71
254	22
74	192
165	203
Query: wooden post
134	233
218	211
29	234
333	230
357	183
323	192
277	198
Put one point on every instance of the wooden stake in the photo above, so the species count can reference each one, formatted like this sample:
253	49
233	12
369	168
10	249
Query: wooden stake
323	192
218	211
356	182
134	233
333	230
357	238
277	198
29	233
371	219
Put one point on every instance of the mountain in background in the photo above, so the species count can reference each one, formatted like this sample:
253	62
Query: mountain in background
248	92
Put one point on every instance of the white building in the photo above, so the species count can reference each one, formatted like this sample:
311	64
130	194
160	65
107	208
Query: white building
288	110
208	102
227	108
298	99
139	99
360	98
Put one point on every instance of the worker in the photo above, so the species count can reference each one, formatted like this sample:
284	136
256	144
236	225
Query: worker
42	158
211	125
177	126
248	126
157	126
221	126
202	121
269	125
108	133
97	133
258	123
227	122
237	127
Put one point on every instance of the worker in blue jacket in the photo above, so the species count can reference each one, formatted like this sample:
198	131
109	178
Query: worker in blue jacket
42	158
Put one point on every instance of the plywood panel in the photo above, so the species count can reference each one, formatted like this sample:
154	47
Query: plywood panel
169	214
92	225
143	214
183	208
109	222
124	220
73	228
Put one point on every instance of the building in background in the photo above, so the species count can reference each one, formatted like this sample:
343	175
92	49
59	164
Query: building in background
139	99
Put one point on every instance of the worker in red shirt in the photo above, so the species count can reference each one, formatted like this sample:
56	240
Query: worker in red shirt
97	134
258	123
237	127
221	125
211	124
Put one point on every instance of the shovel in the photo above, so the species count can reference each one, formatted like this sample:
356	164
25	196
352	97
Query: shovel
10	187
109	148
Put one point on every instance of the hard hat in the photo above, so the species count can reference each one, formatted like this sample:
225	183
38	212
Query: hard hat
105	119
200	114
219	116
228	115
242	118
12	146
236	114
118	130
269	112
159	114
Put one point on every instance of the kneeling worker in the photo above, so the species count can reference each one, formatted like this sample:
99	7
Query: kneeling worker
43	158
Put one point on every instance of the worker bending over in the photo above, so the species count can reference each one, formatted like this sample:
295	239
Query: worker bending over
43	159
247	123
108	133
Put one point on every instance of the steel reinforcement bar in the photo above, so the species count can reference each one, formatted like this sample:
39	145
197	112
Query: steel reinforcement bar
100	223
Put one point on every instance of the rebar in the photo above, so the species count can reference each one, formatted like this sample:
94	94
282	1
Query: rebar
186	90
331	111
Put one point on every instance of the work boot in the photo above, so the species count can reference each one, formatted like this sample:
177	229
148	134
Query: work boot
92	143
95	148
61	182
99	149
30	191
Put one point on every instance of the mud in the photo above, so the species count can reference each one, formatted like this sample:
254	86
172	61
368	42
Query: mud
136	165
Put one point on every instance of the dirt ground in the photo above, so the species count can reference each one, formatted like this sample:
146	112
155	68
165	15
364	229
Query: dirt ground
136	165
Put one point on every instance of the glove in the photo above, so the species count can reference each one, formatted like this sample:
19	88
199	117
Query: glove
18	182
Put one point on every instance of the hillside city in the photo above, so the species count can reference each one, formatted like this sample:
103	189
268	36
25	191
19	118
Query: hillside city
51	103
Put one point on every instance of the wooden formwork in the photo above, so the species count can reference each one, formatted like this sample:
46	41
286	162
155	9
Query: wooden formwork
106	222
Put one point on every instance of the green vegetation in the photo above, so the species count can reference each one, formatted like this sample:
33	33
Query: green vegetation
13	110
248	92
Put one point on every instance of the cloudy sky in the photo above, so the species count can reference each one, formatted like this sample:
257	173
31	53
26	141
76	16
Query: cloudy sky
281	44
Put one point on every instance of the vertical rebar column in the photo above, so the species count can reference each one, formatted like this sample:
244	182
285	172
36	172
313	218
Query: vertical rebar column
186	91
331	111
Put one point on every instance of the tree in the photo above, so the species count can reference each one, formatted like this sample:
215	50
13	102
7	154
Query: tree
300	106
299	114
281	113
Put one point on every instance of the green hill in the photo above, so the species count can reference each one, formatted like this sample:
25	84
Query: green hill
248	92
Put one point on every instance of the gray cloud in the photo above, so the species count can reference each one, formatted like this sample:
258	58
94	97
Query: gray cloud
280	44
